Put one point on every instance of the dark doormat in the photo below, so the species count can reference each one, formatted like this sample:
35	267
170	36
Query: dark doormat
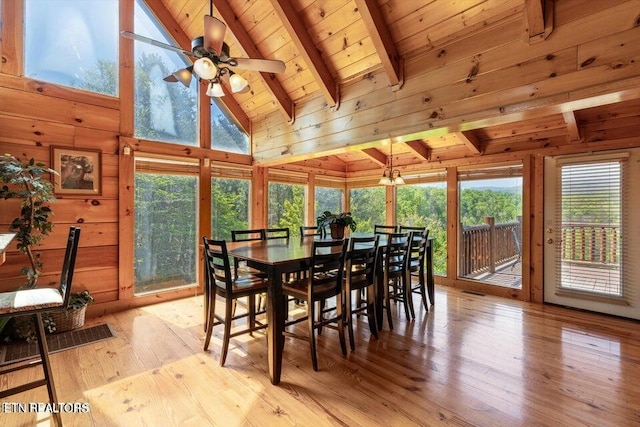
12	353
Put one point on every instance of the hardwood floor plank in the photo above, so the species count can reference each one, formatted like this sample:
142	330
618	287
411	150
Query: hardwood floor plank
470	361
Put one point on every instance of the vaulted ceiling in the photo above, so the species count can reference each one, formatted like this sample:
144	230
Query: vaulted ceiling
560	91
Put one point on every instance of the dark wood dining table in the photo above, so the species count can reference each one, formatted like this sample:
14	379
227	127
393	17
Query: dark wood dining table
279	256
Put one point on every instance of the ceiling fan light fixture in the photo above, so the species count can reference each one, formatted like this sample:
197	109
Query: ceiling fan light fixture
215	89
237	82
183	76
205	68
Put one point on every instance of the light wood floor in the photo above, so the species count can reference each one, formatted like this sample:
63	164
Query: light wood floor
472	360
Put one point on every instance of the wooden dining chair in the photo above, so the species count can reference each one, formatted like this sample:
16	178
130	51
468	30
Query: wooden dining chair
33	302
219	281
394	274
410	228
415	267
246	236
323	281
360	267
277	233
384	229
311	231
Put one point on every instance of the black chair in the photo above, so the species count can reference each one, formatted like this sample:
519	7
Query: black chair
246	236
409	229
277	233
311	231
394	277
416	267
219	281
384	229
33	302
324	280
360	266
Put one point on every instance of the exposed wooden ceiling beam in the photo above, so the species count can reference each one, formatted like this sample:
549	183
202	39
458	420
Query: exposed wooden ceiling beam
251	50
419	148
303	42
539	15
572	126
376	155
382	40
470	140
172	26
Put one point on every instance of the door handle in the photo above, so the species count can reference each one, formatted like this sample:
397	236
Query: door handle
549	241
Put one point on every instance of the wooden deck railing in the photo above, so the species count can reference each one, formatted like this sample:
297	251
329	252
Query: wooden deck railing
590	243
485	246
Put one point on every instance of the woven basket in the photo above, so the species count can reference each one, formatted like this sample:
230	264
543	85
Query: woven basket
68	320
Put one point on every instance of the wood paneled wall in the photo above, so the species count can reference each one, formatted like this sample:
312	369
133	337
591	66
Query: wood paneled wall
34	117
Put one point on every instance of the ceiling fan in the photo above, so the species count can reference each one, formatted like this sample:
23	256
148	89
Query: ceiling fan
213	61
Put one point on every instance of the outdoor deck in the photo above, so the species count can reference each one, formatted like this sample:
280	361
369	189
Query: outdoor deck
508	275
575	277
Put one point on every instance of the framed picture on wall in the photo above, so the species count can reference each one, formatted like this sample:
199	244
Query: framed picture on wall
79	171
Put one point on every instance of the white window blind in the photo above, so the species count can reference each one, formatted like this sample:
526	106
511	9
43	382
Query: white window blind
592	253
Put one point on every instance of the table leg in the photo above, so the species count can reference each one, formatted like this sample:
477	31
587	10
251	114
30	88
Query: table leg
431	281
379	286
275	317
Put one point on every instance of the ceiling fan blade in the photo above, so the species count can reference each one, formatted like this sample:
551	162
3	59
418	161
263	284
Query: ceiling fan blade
133	36
214	30
265	65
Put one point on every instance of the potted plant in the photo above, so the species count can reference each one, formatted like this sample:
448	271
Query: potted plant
25	181
337	223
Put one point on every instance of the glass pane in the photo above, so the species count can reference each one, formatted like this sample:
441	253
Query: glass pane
226	134
328	199
165	231
367	205
163	111
425	205
491	228
229	206
591	232
73	43
286	206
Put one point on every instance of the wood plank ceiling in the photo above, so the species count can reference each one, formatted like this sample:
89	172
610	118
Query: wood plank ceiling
327	44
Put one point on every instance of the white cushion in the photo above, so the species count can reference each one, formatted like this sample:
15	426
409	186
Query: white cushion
29	299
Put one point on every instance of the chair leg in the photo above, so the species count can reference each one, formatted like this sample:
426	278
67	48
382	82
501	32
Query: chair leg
206	306
339	315
312	333
387	300
230	306
211	304
46	364
423	290
371	310
348	316
408	296
251	305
